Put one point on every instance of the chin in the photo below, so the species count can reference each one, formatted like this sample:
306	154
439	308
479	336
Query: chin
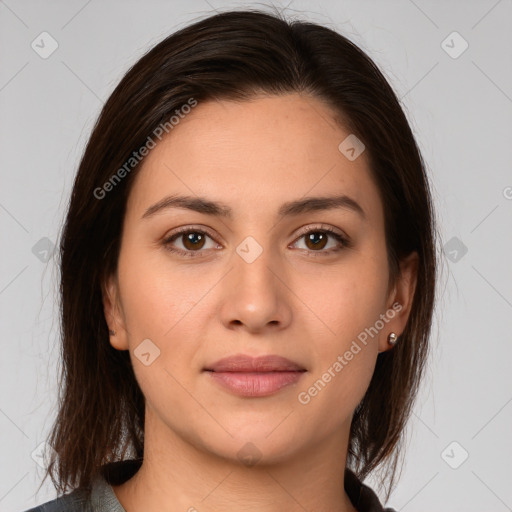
253	444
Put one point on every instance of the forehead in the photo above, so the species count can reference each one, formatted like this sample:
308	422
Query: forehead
250	154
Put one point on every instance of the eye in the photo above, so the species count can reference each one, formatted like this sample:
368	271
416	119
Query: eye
316	239
191	240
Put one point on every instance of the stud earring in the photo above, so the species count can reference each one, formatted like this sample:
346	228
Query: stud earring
111	332
392	339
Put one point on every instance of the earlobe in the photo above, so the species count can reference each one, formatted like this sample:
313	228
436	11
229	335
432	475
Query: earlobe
400	302
113	317
392	340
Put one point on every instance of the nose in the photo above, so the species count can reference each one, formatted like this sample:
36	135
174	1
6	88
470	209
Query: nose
256	295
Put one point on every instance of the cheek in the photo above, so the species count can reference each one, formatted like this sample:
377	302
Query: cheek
333	394
345	354
158	304
345	299
348	300
155	296
165	304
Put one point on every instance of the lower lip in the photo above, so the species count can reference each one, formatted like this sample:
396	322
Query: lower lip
254	384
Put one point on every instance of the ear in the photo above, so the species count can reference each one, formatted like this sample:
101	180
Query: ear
113	314
400	300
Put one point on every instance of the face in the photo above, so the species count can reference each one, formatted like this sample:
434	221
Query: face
259	277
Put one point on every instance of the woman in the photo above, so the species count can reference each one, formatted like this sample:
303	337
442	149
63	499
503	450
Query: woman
248	272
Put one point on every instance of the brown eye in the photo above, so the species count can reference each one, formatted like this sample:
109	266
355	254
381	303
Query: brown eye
189	242
316	240
193	240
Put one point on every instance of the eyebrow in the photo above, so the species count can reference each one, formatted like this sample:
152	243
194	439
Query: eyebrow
289	209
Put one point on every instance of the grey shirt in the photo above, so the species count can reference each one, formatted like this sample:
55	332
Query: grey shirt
103	499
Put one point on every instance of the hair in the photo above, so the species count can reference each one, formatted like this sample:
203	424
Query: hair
232	55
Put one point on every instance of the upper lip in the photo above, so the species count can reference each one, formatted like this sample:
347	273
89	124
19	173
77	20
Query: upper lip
246	363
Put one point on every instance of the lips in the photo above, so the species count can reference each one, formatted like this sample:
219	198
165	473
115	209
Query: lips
249	376
245	363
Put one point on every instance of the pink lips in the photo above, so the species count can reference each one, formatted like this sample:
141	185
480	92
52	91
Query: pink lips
255	376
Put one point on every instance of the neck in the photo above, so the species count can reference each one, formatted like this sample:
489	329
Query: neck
179	476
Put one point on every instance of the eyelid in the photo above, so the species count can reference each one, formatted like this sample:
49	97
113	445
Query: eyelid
190	228
320	227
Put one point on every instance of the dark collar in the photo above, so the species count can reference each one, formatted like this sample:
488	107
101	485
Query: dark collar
362	496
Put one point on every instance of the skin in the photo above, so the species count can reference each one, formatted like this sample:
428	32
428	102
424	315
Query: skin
291	301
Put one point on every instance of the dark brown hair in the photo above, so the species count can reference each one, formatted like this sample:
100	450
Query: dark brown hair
231	55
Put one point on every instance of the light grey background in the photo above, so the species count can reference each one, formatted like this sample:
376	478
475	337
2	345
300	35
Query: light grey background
461	112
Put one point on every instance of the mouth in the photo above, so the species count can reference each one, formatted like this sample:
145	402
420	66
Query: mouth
248	376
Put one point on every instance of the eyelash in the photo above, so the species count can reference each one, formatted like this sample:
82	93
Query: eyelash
345	242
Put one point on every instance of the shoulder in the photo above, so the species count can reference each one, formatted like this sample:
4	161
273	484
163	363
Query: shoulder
76	501
101	495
